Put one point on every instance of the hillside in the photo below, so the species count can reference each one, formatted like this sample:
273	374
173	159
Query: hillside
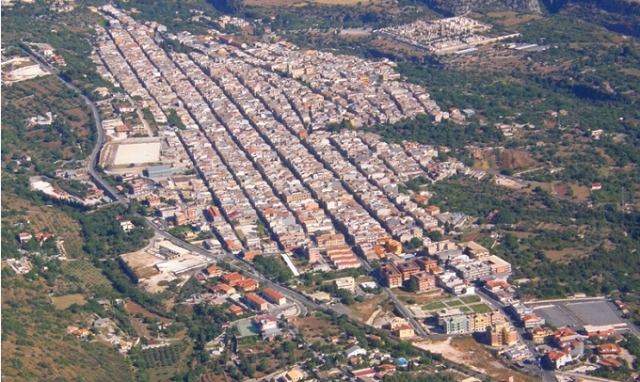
35	346
460	7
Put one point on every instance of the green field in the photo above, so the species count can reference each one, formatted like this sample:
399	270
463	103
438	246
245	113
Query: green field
481	308
90	276
470	299
454	303
435	306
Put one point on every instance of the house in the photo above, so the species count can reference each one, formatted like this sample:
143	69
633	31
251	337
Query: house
247	285
232	278
609	362
354	351
293	375
397	322
223	289
363	373
235	309
268	326
531	321
213	271
405	331
126	225
274	297
24	237
558	359
432	210
609	349
563	337
345	283
255	302
596	186
539	335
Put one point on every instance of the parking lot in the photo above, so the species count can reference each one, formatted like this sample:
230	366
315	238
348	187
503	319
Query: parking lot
578	314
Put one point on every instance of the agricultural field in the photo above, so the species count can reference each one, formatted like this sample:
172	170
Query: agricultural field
163	356
88	275
41	218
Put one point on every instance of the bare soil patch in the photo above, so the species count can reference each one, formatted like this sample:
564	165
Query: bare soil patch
63	302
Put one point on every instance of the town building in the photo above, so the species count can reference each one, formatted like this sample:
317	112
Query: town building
162	171
274	297
345	283
247	285
423	281
232	278
501	335
254	302
405	332
391	276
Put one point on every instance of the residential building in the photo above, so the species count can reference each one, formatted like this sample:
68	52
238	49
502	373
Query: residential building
558	359
407	269
531	321
137	187
391	275
397	322
345	283
223	289
268	326
24	237
247	285
293	375
539	335
405	332
609	349
480	322
354	351
254	302
424	281
232	278
214	271
274	297
503	334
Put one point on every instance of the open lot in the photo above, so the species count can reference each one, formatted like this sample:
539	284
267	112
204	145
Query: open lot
579	314
63	302
136	153
466	351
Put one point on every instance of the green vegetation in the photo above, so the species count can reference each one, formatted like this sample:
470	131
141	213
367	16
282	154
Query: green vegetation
272	267
69	33
481	308
38	149
434	306
470	299
163	356
75	187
